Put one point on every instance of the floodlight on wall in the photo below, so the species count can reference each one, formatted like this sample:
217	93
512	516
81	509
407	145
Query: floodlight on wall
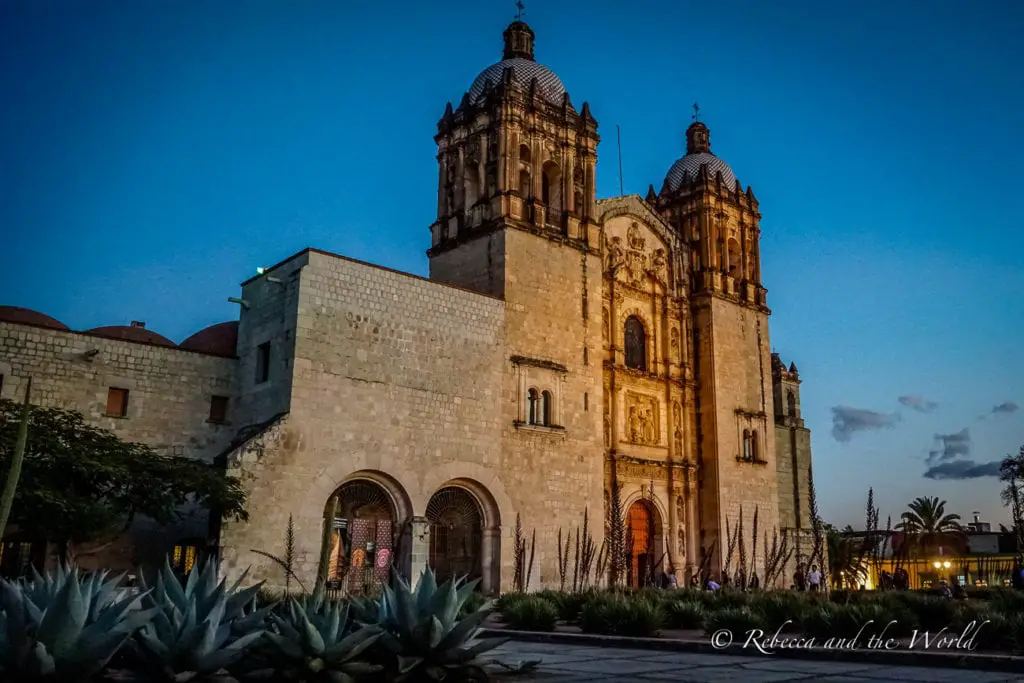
276	281
241	302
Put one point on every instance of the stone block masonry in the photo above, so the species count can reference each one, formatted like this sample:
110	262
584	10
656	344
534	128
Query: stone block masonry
168	406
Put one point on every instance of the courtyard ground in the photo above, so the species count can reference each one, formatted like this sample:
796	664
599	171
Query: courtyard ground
567	663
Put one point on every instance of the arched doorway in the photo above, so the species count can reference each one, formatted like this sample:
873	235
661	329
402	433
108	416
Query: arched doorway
644	555
456	534
363	538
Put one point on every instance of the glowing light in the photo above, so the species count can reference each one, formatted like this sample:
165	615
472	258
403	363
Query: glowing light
260	271
946	564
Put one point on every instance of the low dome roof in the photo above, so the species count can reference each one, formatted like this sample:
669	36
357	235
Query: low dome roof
26	316
691	163
524	70
220	340
132	334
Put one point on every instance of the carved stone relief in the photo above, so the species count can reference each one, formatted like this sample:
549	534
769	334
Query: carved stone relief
674	343
642	419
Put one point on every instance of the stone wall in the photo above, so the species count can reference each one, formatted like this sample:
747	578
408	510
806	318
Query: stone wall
477	265
735	386
168	406
395	380
793	451
552	475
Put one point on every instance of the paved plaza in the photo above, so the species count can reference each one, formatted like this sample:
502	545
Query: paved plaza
576	663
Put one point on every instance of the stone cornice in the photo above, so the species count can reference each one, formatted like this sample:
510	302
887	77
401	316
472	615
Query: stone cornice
538	363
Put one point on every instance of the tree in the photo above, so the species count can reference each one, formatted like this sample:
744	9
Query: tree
926	523
846	567
1011	472
14	463
81	484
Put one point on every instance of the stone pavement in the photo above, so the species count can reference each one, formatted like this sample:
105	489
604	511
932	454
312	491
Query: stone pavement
564	663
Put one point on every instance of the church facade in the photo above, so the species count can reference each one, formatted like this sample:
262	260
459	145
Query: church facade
566	356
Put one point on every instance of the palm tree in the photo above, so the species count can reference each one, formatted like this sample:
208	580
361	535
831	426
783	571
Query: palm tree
1011	473
845	568
928	526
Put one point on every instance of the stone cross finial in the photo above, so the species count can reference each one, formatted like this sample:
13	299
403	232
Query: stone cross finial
519	6
696	112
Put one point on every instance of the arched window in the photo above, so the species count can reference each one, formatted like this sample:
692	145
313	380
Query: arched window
533	413
734	259
748	445
790	404
551	186
545	408
524	184
636	344
754	457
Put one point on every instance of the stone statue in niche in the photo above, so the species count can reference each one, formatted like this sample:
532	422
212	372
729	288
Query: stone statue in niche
659	265
615	252
674	343
682	542
678	443
680	509
676	415
633	235
642	419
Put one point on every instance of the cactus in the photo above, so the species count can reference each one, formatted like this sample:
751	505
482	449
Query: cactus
63	628
317	641
198	630
423	632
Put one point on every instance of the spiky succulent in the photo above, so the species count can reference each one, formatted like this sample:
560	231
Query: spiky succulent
63	627
198	630
424	634
315	640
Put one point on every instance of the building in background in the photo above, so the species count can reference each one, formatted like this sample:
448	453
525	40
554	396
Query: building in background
566	356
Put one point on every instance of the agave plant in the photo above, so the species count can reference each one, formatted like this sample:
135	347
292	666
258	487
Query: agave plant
63	627
424	634
317	641
198	630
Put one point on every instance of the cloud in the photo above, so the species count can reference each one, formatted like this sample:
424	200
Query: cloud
953	446
963	469
846	421
918	403
1005	408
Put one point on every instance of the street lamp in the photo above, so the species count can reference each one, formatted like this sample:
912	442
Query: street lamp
937	564
946	564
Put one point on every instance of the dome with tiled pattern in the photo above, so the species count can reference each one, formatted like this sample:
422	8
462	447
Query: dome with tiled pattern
698	154
518	56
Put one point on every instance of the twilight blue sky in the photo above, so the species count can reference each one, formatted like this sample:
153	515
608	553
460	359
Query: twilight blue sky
153	154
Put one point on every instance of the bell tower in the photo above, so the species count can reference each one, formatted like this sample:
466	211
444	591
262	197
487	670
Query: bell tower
705	203
515	155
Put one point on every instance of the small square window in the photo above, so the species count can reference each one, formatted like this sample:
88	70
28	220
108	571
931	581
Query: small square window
218	409
262	363
117	402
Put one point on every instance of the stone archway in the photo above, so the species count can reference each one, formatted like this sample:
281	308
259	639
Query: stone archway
369	534
465	530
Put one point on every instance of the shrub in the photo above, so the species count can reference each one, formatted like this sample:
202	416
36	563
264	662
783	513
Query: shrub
728	597
932	612
738	620
620	614
532	613
507	599
474	603
1006	601
779	607
685	614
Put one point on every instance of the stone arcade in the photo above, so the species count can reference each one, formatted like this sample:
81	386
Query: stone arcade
561	342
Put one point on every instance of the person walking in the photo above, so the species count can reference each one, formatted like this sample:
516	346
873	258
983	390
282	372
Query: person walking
814	579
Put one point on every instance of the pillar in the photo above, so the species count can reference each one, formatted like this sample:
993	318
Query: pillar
420	549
